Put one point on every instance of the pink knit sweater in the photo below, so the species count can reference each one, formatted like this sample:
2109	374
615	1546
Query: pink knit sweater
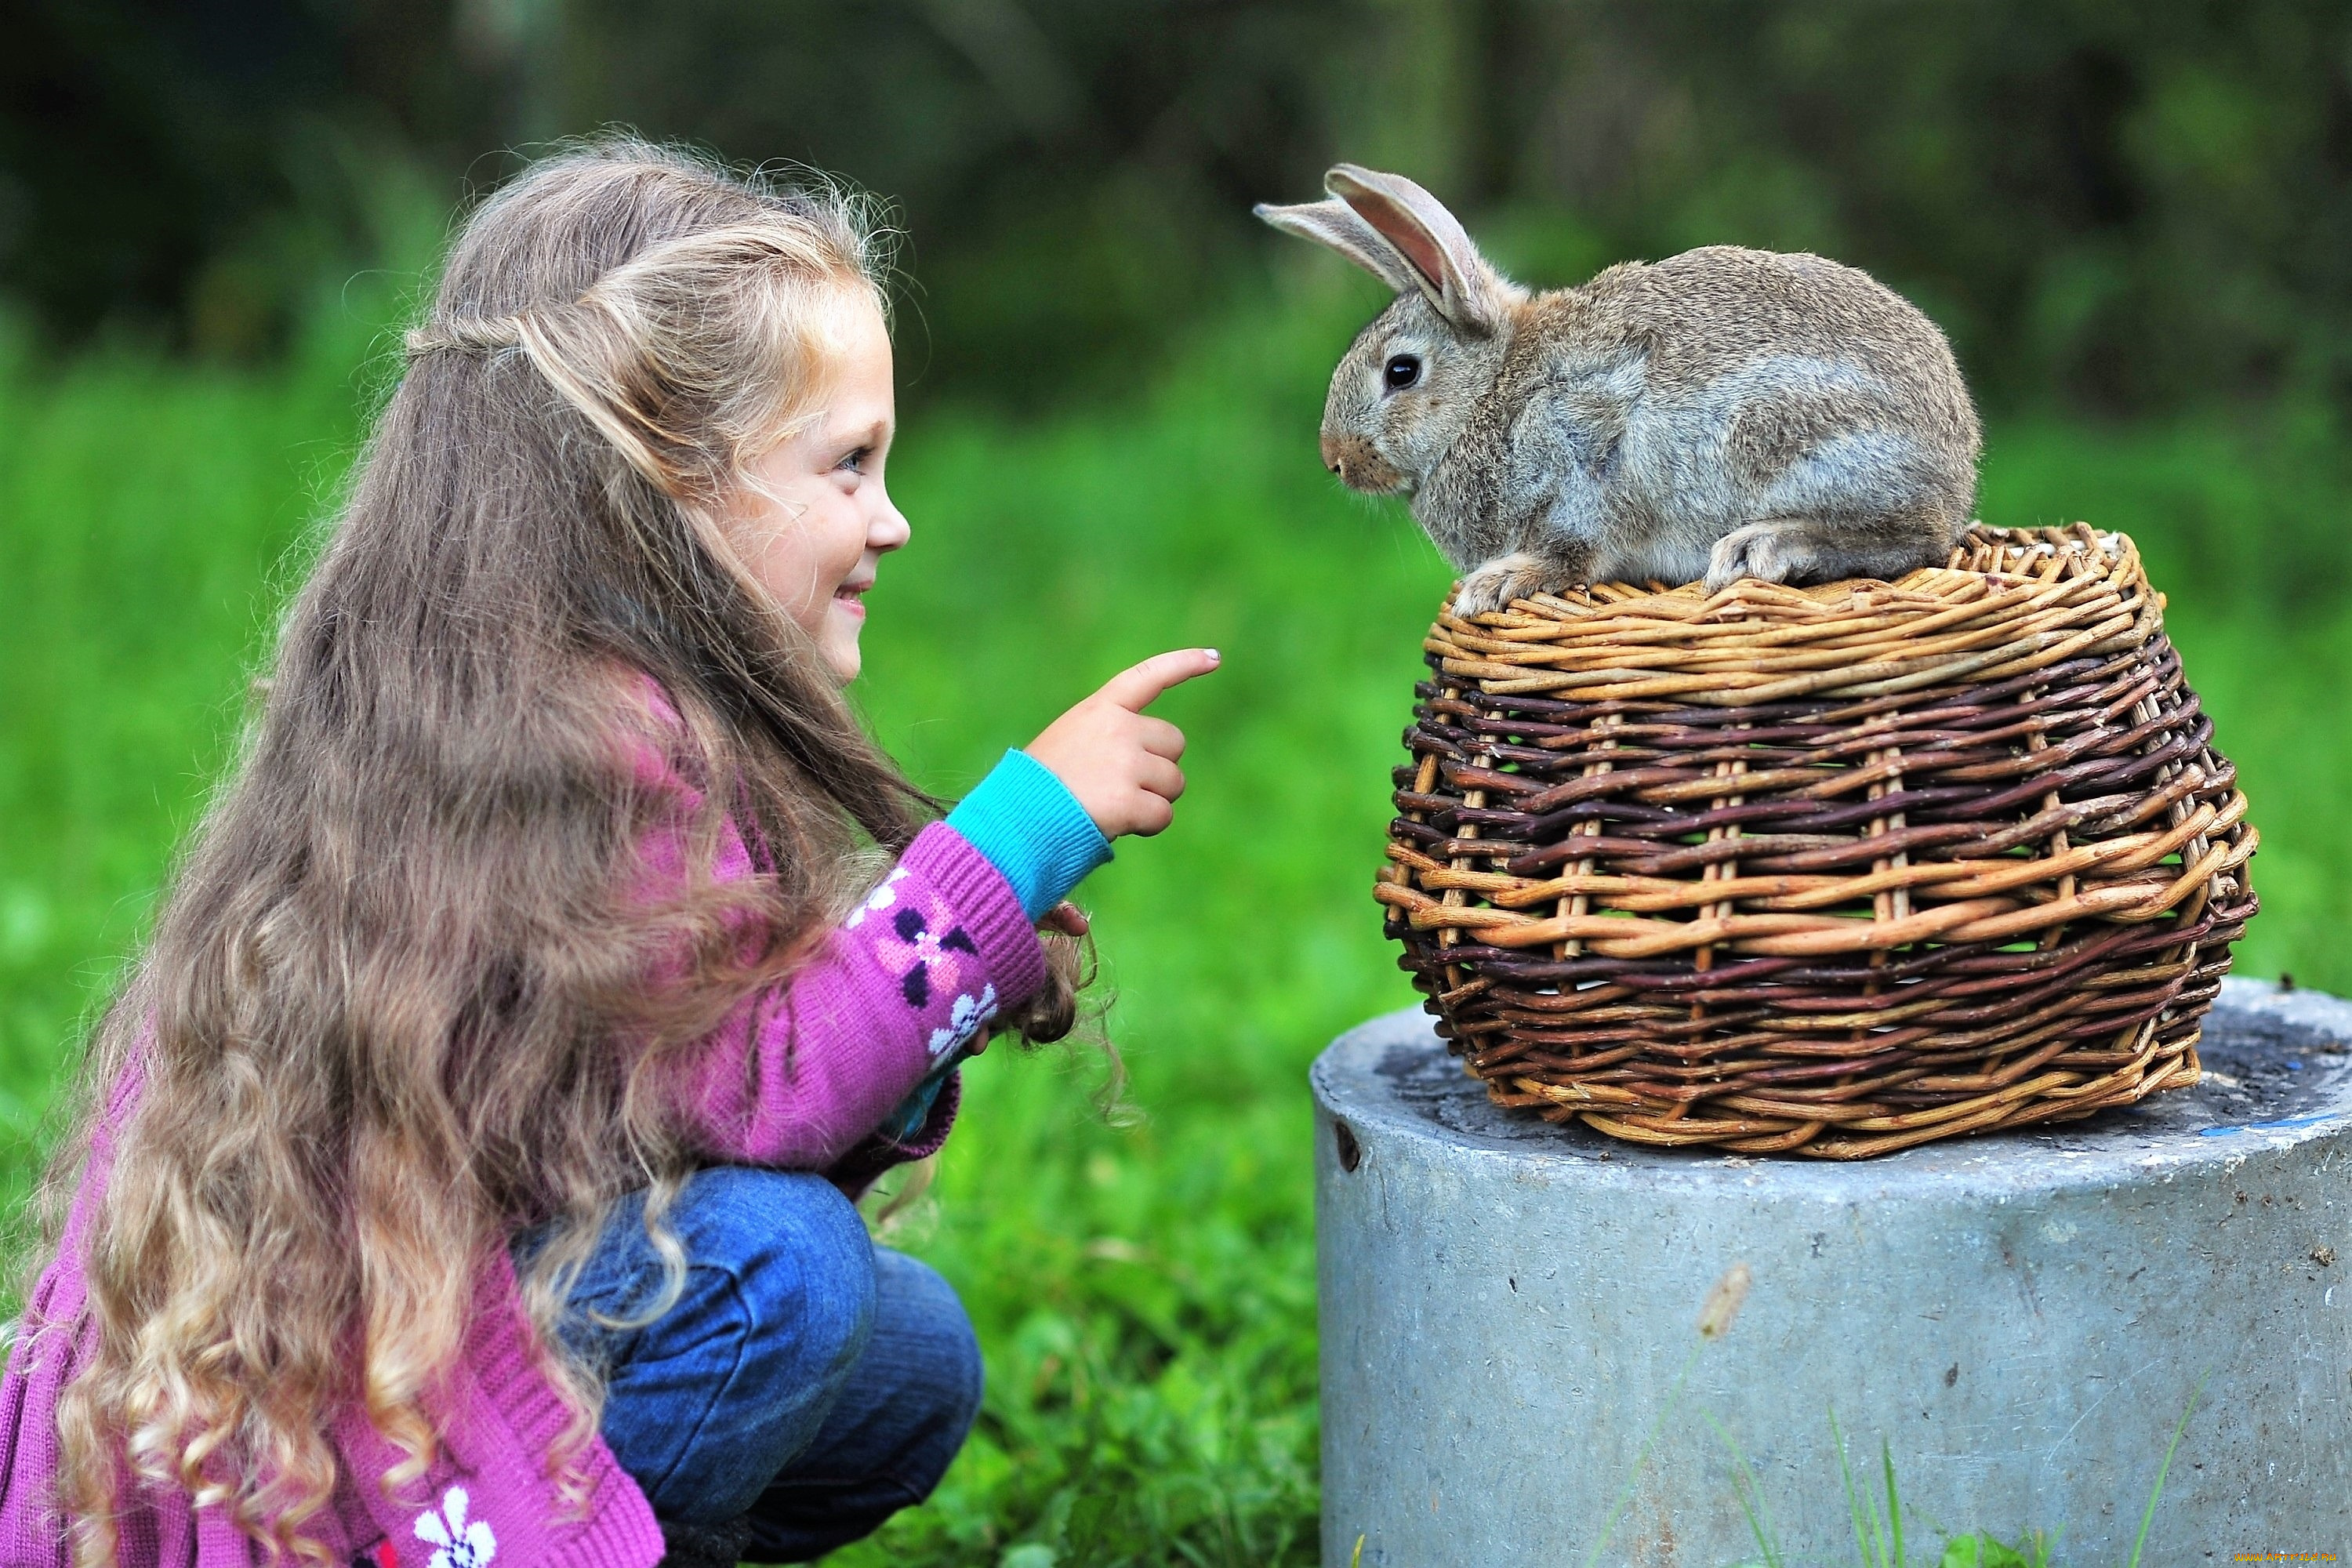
798	1078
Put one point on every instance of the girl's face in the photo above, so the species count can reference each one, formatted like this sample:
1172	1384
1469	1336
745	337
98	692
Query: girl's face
815	518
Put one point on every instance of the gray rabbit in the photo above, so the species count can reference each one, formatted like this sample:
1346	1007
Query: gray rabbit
1726	413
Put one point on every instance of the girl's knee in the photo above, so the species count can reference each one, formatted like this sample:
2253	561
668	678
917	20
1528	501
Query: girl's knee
709	1398
795	1254
927	1325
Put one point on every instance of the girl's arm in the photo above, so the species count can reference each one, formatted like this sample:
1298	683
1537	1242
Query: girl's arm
804	1070
1046	825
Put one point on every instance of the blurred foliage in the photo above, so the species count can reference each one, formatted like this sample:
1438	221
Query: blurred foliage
2115	207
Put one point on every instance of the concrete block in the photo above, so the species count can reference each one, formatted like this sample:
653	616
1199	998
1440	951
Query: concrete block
2020	1319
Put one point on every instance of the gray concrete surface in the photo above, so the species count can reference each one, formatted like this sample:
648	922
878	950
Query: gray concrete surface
2021	1319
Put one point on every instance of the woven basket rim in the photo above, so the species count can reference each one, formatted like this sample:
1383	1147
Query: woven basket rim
2007	602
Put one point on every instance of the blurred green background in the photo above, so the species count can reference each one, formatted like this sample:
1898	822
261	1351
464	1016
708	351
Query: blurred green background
2135	221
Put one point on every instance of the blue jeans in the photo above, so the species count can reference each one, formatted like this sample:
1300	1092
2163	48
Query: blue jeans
806	1377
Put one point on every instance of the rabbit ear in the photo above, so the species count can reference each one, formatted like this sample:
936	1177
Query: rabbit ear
1445	265
1335	224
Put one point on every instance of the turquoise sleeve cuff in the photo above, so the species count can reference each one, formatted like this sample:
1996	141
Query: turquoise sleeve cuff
906	1120
1032	830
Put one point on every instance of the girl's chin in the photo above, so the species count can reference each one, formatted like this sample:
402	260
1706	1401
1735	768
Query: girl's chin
841	651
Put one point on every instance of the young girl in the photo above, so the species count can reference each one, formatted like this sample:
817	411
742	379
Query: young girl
466	1170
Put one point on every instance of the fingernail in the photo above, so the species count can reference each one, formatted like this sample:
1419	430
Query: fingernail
1215	657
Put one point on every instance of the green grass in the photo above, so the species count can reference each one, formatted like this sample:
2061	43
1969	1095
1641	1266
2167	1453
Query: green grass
1145	1293
1878	1527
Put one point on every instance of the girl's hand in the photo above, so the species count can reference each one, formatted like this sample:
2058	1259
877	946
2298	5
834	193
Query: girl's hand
1118	763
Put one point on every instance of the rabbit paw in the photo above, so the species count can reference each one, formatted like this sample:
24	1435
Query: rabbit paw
1506	577
1768	551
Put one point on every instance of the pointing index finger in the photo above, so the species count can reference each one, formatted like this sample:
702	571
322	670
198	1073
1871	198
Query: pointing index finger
1135	688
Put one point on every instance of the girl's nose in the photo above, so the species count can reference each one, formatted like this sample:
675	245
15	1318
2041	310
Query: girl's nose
889	528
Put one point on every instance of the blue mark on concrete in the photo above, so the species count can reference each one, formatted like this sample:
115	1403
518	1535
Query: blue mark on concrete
2265	1126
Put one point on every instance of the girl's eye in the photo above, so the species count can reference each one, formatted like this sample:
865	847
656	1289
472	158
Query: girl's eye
1403	371
855	461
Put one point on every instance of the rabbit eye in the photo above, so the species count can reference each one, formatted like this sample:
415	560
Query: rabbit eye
1403	371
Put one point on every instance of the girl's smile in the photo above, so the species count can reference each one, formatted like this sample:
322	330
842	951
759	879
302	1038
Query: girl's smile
815	518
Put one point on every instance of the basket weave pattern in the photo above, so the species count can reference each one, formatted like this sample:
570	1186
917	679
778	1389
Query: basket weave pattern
1832	870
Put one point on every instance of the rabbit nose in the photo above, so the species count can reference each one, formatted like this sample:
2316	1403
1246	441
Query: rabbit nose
1330	446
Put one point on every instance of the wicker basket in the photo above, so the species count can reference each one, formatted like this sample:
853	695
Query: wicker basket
1829	871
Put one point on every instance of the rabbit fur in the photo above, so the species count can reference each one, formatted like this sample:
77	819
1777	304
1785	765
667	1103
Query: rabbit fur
1725	412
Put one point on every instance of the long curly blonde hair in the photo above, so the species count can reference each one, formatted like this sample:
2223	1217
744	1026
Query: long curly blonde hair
395	1005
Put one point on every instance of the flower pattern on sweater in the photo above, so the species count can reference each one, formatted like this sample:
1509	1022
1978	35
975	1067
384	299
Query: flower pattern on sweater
926	961
968	1017
884	895
455	1542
